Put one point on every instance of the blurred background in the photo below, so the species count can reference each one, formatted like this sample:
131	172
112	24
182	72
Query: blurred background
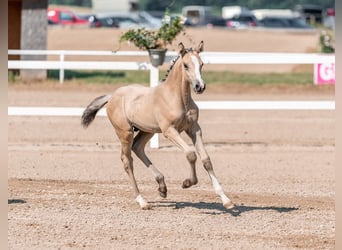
290	26
230	14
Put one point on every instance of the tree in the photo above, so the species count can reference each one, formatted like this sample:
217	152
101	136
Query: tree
176	6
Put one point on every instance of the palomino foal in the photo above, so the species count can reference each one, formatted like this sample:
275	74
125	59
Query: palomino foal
168	109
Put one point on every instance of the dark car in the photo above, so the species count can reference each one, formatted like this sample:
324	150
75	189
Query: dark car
103	22
113	22
94	22
284	22
123	20
240	21
310	12
215	22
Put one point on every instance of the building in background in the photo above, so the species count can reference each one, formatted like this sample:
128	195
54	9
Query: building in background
313	14
27	29
102	6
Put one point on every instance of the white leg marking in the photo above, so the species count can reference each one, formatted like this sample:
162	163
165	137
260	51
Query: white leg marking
218	189
141	201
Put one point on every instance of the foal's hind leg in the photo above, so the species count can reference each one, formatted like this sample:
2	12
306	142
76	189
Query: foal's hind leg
196	135
126	138
138	147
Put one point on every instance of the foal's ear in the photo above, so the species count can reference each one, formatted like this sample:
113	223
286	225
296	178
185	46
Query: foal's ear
181	49
199	48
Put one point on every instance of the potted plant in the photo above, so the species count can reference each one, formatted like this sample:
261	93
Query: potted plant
155	41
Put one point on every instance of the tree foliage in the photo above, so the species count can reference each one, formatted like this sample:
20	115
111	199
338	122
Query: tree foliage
177	5
83	3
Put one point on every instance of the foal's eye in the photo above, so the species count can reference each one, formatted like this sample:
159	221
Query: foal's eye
186	66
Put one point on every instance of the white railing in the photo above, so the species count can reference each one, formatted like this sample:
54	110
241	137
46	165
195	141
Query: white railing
203	105
63	64
207	57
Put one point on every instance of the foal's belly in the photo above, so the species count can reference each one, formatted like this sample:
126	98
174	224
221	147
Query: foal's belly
139	109
144	121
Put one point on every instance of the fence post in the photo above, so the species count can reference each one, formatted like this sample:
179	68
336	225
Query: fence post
61	70
154	79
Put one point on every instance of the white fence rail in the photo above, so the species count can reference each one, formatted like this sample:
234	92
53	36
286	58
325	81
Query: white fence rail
207	57
203	105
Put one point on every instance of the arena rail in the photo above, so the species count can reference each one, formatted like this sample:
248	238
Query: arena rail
207	57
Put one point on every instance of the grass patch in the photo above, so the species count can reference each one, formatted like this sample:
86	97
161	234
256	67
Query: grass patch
210	77
12	75
102	77
299	78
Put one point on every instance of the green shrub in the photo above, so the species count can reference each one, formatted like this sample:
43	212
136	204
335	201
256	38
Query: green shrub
326	43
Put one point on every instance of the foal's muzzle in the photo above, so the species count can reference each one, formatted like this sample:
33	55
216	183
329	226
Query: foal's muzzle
199	88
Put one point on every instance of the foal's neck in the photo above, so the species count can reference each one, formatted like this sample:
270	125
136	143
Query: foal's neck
178	83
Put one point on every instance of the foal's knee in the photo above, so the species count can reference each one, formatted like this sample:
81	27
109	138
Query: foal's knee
191	156
207	164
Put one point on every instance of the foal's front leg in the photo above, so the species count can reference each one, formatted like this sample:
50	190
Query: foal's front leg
173	135
195	134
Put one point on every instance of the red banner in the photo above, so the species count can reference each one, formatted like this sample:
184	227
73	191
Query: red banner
324	73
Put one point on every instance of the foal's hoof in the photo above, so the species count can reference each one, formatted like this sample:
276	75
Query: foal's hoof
146	206
229	205
163	192
142	203
188	183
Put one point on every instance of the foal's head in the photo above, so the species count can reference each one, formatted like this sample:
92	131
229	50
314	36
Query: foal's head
192	66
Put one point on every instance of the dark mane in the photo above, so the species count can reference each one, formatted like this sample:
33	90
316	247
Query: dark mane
174	60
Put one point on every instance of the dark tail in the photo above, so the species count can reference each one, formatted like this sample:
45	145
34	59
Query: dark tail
90	112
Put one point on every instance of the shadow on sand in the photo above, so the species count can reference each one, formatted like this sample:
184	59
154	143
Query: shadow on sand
15	201
215	208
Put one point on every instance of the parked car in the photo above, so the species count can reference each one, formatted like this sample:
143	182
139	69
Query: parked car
196	15
242	21
111	22
284	22
64	17
124	20
217	22
310	12
94	22
236	22
232	11
280	18
329	18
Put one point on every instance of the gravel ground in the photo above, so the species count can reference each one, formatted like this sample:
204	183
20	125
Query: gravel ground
67	188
